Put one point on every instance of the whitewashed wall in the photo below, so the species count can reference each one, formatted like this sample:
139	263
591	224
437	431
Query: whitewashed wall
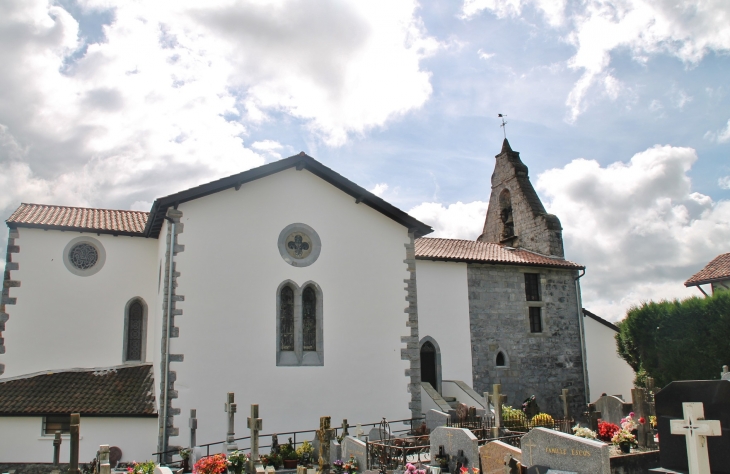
230	271
21	439
443	314
607	371
62	320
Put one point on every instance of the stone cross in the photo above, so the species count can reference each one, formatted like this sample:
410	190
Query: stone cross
641	408
230	408
73	466
104	466
496	399
56	448
345	426
696	429
593	416
193	424
358	431
255	424
725	375
566	421
324	435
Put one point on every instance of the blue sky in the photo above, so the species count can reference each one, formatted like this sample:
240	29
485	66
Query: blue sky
621	110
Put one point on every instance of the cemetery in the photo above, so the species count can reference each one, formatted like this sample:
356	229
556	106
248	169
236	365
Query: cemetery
681	428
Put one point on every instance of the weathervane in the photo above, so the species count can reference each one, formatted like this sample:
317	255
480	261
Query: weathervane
504	128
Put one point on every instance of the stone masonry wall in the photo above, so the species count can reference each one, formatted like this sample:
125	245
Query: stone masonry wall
534	228
536	364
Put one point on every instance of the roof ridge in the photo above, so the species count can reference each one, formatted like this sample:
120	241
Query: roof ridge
74	369
79	207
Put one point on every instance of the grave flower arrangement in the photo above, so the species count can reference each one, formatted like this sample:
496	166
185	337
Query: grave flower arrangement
628	423
237	461
513	419
606	431
337	465
215	464
142	468
351	465
411	469
586	433
624	439
543	419
465	470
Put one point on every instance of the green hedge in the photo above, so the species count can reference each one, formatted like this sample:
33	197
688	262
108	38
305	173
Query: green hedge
677	340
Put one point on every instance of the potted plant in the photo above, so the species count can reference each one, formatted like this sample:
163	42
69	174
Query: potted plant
606	431
185	456
275	460
289	456
142	468
624	439
237	461
304	452
215	464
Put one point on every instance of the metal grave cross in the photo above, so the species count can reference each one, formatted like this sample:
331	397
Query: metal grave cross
696	429
255	424
230	408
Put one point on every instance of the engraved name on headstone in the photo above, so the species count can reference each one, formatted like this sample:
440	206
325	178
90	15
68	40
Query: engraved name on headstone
561	451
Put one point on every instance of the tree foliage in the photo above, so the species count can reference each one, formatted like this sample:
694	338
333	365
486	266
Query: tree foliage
677	340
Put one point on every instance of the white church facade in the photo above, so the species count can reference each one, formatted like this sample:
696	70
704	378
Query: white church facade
285	284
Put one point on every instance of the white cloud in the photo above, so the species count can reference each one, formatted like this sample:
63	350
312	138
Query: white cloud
457	221
637	226
720	136
686	29
269	147
485	56
379	189
724	182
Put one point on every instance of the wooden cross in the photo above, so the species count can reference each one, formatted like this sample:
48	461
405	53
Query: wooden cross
696	429
324	435
230	408
530	445
255	424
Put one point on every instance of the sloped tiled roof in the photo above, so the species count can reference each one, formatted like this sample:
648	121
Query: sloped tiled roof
718	269
115	391
484	252
79	218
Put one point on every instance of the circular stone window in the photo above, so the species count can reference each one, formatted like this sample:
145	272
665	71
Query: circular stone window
84	256
299	245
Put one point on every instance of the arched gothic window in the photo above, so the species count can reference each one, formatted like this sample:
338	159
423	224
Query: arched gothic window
135	331
286	318
299	325
500	359
309	319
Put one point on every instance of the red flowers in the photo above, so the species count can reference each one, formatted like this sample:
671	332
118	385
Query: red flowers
606	431
211	465
642	420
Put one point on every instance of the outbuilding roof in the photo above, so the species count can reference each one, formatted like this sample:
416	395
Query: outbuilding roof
148	224
717	270
79	218
114	391
472	251
600	320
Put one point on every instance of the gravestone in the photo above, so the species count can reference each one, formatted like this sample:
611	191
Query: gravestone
435	418
725	374
74	429
492	456
335	451
104	466
561	451
162	470
354	447
115	455
462	412
456	442
592	416
376	434
254	424
56	448
715	398
642	410
613	408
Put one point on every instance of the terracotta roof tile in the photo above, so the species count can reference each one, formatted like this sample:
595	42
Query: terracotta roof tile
79	218
716	270
116	391
484	252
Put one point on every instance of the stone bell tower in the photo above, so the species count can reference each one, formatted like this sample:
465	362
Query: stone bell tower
515	216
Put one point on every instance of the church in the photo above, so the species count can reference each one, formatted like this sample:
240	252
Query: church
290	286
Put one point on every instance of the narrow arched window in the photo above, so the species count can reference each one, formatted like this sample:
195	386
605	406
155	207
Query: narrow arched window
500	359
286	319
309	319
135	330
505	214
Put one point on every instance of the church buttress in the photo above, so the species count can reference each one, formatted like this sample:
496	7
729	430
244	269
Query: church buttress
516	216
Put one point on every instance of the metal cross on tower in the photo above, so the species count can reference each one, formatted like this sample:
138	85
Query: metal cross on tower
503	125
